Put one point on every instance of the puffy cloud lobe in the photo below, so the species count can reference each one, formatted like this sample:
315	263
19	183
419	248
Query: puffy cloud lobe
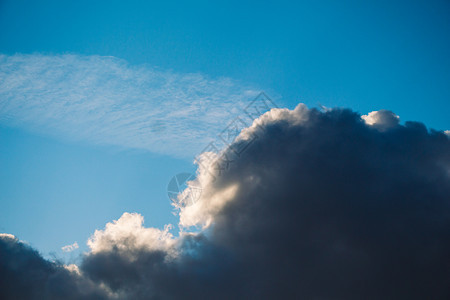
321	205
128	233
382	119
7	236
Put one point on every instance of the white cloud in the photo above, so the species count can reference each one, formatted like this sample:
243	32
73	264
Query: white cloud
382	119
7	236
128	233
104	100
70	248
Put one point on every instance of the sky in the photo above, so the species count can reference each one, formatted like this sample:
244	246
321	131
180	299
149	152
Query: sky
101	104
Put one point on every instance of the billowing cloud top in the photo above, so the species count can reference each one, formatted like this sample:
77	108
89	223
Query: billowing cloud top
382	119
128	233
310	205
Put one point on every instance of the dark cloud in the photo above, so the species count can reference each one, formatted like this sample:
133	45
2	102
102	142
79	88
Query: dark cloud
324	205
24	274
334	209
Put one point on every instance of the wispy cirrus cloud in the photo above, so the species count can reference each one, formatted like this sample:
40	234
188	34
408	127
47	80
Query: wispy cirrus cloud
104	100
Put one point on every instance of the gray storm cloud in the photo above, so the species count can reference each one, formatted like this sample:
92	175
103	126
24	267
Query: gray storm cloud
320	205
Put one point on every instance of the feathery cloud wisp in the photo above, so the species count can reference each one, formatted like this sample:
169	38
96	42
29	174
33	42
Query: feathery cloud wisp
104	100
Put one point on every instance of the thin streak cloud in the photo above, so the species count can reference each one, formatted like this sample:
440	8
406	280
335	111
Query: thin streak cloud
104	100
70	248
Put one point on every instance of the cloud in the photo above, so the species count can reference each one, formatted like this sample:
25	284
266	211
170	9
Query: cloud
127	233
24	274
104	100
7	236
70	248
318	205
382	119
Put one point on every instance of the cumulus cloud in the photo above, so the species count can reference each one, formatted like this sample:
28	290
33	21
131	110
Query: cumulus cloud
7	236
104	100
128	233
319	205
382	119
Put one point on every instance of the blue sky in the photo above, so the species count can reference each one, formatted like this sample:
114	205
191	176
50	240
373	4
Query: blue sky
150	83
